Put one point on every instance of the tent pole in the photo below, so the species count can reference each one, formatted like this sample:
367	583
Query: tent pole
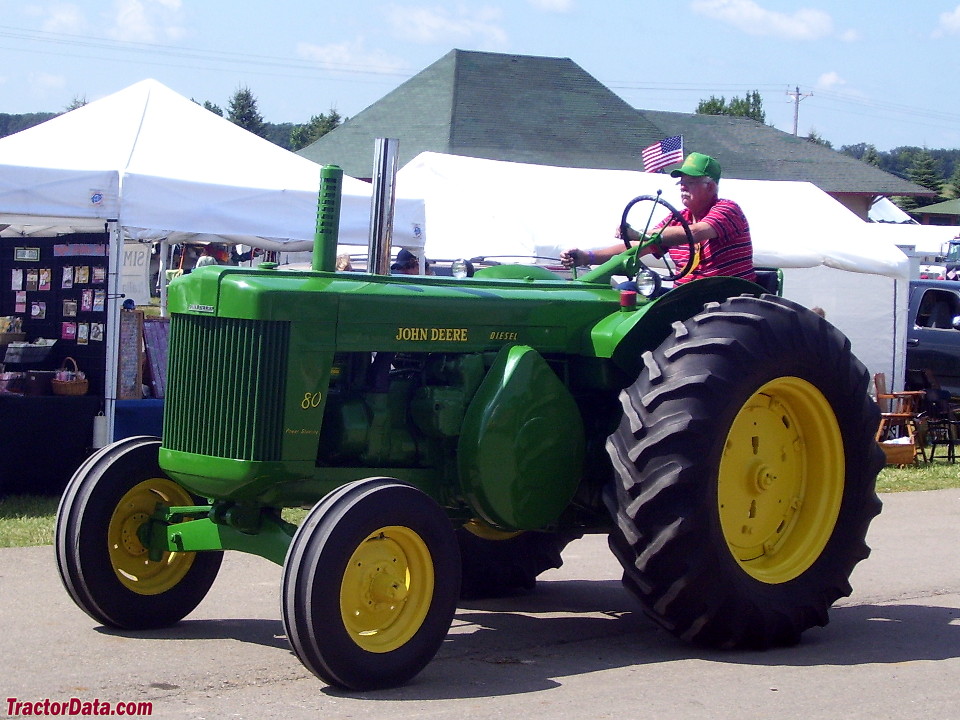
165	249
114	301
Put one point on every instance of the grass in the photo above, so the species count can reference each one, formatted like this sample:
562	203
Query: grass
27	520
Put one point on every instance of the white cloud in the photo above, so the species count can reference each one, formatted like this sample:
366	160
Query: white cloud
804	24
145	21
427	25
351	55
849	35
47	81
949	23
830	81
60	18
558	6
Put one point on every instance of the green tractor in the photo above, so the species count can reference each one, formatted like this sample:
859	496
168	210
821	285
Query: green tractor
452	435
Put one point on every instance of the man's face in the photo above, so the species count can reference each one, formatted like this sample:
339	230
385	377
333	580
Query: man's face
694	190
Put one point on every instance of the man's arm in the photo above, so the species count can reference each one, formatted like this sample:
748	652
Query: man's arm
669	236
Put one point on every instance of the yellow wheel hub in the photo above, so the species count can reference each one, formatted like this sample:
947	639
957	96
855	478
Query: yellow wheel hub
128	556
781	479
387	589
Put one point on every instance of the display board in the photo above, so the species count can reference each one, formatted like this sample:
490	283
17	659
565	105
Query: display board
156	335
130	357
58	287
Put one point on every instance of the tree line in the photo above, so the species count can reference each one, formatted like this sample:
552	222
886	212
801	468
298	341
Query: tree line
937	170
241	110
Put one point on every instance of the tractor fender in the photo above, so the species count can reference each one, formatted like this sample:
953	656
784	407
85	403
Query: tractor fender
521	449
625	336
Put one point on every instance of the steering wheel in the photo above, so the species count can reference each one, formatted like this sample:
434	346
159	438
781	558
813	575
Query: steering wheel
672	274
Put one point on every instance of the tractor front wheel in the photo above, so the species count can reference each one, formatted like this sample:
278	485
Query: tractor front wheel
746	468
102	562
370	584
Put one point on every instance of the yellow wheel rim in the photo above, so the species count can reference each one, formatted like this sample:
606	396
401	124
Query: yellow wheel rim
781	480
129	558
387	589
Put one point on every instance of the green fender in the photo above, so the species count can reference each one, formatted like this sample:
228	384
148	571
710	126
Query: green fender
625	336
520	454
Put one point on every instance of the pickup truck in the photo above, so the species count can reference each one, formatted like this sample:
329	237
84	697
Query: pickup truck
933	334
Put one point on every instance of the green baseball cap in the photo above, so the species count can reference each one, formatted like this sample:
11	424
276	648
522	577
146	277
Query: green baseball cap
698	165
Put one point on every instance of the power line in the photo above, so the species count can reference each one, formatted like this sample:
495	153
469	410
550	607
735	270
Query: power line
66	40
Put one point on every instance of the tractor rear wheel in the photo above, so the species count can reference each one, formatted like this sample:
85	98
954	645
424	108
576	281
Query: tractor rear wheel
102	562
370	584
746	468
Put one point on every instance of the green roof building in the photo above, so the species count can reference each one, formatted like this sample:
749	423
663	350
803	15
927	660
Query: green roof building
941	213
549	111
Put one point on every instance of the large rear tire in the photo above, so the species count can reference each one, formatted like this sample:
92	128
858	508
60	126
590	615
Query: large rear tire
102	563
370	584
746	468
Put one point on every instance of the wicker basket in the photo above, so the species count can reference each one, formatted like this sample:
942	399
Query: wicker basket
77	384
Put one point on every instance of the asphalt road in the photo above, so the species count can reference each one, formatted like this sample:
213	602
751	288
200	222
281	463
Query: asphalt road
576	648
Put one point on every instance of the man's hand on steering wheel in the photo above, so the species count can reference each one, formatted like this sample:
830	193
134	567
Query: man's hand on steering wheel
628	234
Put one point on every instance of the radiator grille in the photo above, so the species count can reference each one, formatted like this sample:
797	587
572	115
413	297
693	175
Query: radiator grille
226	382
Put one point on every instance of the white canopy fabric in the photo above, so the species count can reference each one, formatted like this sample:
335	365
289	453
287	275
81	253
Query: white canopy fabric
165	167
831	257
883	210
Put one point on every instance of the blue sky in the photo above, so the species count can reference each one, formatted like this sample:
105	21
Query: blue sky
880	72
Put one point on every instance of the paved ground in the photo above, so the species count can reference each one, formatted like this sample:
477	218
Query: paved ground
577	648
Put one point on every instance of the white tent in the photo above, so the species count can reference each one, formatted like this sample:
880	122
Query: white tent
883	210
163	166
146	163
830	257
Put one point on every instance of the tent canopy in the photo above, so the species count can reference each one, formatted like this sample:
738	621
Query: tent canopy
489	207
165	167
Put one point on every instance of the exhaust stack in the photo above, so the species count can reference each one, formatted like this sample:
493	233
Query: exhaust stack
381	206
328	219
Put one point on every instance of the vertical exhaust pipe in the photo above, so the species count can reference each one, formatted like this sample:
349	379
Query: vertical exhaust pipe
381	205
328	219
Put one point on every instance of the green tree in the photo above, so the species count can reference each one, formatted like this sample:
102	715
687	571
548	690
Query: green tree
319	125
77	102
924	170
713	106
207	105
817	139
871	156
243	111
10	124
750	106
953	184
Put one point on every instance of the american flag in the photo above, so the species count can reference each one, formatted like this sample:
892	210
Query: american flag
666	152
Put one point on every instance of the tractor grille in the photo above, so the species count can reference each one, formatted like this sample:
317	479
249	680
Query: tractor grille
226	381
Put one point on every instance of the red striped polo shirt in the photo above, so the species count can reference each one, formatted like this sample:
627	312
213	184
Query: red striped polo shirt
730	253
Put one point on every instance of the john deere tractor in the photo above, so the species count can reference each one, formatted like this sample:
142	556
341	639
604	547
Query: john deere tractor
451	435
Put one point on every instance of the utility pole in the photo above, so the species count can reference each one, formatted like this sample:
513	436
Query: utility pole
797	97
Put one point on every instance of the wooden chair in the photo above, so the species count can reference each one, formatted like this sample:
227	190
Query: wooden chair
940	415
900	432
